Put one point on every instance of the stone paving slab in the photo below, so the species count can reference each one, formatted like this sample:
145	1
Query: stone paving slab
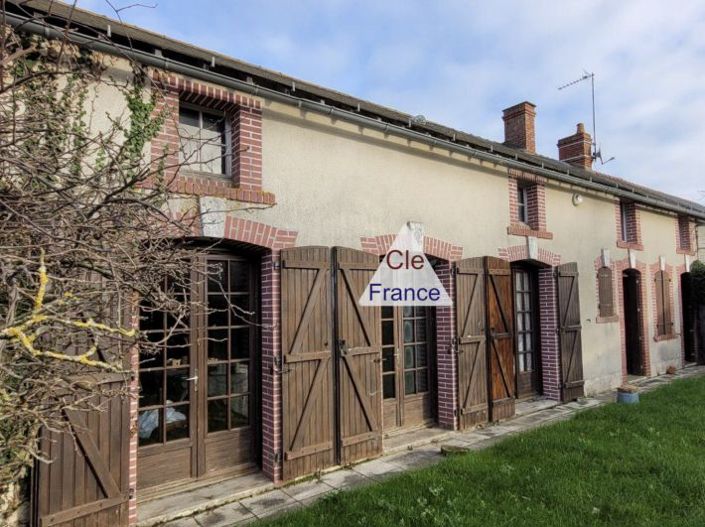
424	452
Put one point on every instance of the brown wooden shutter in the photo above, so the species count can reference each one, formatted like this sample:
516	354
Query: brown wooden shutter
570	338
605	292
359	352
660	314
308	403
470	343
500	319
87	481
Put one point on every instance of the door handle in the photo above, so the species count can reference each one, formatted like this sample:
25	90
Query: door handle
194	378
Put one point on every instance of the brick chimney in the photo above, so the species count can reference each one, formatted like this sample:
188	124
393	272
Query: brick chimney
519	129
576	149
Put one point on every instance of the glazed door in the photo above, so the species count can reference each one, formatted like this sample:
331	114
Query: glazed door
688	310
631	283
526	329
408	378
198	388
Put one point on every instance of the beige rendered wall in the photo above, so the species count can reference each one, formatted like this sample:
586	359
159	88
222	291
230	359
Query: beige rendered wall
335	182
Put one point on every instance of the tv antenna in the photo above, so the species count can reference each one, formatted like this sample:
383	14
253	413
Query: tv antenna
596	152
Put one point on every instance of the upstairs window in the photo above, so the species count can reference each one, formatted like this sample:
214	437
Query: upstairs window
203	135
628	222
523	203
684	238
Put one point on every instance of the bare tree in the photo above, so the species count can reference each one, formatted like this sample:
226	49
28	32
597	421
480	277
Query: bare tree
84	232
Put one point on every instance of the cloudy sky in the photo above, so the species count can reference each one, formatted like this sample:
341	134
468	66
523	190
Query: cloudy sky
460	62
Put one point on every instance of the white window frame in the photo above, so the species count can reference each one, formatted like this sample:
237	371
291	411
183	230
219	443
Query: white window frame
227	138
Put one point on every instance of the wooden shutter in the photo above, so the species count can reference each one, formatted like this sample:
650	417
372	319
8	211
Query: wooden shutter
359	337
87	481
605	292
470	343
500	318
308	403
664	315
570	339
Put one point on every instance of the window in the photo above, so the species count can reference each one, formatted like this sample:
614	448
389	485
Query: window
662	290
605	293
684	239
416	350
204	145
523	203
525	330
627	221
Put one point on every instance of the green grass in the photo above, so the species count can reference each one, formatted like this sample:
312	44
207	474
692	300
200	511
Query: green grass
615	465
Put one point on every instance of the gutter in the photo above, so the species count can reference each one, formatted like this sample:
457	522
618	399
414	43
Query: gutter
148	59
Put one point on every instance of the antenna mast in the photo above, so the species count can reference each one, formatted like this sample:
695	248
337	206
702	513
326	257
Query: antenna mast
596	152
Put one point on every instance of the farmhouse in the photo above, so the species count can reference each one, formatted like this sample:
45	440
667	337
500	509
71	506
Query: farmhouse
565	281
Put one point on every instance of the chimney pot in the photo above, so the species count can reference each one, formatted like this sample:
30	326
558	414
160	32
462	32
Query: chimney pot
576	149
519	126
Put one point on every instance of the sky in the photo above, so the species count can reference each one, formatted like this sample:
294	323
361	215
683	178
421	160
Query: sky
460	62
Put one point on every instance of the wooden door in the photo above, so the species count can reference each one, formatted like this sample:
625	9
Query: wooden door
526	317
631	284
688	313
502	389
308	397
87	481
359	355
570	340
471	344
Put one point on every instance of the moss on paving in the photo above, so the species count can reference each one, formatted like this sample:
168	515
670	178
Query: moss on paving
615	465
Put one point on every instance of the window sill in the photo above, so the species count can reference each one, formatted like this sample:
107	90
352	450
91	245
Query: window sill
688	252
636	246
206	184
607	320
521	229
661	338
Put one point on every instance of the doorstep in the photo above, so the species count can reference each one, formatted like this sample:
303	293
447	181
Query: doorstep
415	438
193	501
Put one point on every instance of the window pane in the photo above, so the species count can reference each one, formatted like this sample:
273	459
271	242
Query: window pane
239	277
151	392
240	310
387	312
422	380
408	311
217	344
522	362
529	362
408	331
213	123
177	422
178	349
421	356
388	332
239	377
408	357
217	380
241	343
151	358
211	157
217	310
217	415
388	386
421	330
388	359
150	427
409	382
188	117
177	385
217	279
239	411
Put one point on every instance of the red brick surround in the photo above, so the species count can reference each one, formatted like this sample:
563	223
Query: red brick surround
633	227
245	115
514	253
431	246
668	269
536	205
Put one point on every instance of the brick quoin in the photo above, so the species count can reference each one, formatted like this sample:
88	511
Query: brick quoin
446	365
245	117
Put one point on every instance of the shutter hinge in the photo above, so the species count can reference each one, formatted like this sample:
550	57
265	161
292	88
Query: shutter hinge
453	345
455	413
131	493
277	457
276	264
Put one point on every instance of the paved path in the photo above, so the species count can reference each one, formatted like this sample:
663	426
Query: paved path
277	501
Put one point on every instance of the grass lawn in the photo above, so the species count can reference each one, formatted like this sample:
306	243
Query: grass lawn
615	465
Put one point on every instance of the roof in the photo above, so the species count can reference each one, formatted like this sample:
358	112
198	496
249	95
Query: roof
137	38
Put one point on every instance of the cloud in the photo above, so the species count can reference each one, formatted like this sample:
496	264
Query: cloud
460	62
